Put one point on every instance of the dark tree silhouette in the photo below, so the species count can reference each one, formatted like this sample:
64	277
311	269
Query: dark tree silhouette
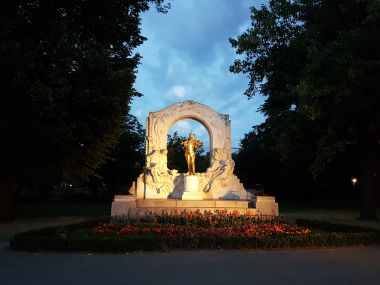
127	157
67	74
317	64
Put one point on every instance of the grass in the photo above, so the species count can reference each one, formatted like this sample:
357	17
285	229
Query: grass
33	216
61	209
36	216
335	212
93	236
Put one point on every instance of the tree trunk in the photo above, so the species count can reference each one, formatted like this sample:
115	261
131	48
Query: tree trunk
368	163
6	201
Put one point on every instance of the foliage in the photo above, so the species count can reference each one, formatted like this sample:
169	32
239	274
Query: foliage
176	155
127	157
68	69
260	162
317	63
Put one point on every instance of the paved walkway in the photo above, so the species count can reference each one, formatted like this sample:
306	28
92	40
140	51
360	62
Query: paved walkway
359	265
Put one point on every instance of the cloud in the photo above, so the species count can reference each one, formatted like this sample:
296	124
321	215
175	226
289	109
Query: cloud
187	57
184	124
193	26
138	114
179	91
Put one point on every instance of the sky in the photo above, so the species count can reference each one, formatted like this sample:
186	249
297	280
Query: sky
187	57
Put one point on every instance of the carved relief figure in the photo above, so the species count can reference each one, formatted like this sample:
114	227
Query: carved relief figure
158	175
221	168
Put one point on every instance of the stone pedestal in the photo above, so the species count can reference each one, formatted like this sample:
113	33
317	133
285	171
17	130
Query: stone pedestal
265	205
122	205
191	188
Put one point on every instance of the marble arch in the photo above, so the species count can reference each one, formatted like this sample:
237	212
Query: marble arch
159	123
218	182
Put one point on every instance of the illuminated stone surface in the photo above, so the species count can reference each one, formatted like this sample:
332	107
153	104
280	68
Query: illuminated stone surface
191	183
158	182
218	182
191	188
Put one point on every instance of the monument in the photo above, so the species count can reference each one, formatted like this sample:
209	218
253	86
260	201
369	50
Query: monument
191	181
159	189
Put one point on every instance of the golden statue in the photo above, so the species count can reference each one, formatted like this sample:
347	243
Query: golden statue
191	144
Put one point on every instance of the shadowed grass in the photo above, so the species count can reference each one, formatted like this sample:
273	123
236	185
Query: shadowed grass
334	212
61	209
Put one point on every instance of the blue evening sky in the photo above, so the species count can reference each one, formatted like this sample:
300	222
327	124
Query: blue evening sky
187	57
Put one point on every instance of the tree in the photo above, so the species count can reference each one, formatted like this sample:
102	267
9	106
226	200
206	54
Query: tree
259	161
176	155
317	63
127	157
67	74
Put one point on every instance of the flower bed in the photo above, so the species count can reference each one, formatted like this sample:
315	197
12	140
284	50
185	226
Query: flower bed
195	225
192	231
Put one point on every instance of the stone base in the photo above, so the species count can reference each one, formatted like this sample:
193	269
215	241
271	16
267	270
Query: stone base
191	183
128	206
192	196
191	188
122	205
266	205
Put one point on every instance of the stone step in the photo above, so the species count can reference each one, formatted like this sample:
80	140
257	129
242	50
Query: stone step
133	212
129	206
176	203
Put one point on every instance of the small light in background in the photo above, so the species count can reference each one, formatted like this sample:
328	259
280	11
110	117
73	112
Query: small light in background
354	181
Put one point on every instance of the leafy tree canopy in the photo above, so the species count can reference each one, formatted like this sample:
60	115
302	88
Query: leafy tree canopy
317	63
67	74
127	157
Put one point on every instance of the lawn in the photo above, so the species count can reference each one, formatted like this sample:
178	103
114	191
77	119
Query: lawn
327	224
33	216
193	231
39	210
344	212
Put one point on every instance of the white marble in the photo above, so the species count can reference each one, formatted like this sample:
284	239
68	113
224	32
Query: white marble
265	205
191	183
218	182
191	188
122	205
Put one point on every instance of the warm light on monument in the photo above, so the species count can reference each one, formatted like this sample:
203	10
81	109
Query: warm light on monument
191	144
160	189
